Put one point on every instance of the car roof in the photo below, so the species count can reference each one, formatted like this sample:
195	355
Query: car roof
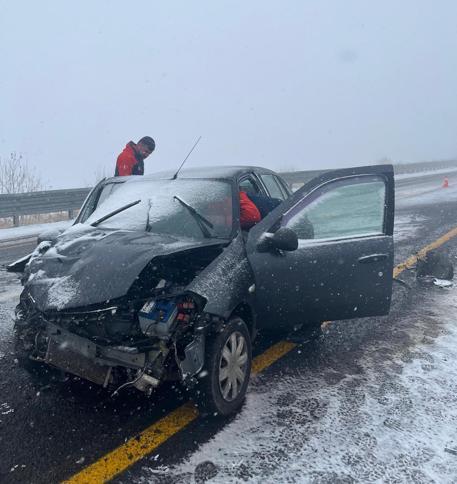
205	172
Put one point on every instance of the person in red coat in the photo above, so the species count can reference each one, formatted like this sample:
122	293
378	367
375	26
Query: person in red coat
131	160
249	213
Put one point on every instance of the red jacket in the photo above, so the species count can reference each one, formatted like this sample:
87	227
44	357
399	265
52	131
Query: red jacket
249	213
129	162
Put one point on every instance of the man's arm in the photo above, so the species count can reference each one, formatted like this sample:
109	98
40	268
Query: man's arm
249	213
124	165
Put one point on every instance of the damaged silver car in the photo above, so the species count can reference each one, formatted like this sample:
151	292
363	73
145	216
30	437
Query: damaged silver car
156	280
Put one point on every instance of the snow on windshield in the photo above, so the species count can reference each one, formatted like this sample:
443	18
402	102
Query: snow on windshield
158	210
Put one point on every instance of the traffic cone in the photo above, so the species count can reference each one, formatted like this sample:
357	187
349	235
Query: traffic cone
446	183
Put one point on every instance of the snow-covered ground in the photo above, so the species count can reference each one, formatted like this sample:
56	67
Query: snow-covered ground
419	174
9	294
390	419
32	230
406	226
419	196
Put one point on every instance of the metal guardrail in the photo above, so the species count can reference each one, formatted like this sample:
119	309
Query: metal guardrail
400	169
15	205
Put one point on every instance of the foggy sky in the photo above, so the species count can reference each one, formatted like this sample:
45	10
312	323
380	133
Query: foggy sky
286	84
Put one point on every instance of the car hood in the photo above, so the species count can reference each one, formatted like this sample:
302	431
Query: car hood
95	266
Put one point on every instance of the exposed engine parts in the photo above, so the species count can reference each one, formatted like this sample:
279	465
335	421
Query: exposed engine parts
118	345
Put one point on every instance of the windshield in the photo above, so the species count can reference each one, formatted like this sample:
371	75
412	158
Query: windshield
161	209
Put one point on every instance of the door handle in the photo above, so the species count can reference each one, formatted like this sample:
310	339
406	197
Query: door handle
368	259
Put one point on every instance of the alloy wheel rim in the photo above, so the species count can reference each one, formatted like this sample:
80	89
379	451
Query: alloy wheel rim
233	366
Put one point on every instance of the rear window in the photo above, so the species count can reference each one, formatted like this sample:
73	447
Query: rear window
273	186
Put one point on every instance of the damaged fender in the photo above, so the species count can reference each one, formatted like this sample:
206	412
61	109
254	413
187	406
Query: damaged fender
226	281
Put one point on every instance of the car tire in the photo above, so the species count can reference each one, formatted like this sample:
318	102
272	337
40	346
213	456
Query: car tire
228	358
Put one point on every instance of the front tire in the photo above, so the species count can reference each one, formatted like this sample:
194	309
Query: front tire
228	367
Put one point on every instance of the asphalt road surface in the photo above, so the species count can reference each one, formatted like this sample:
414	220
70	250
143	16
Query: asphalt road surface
370	400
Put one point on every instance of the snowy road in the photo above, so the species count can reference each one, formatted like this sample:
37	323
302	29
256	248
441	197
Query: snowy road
372	400
384	410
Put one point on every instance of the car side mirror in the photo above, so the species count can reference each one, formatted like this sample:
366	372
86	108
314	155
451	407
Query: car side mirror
283	239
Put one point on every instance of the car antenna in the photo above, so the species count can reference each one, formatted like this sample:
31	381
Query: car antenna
185	159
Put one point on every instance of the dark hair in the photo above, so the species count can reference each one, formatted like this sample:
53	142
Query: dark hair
148	141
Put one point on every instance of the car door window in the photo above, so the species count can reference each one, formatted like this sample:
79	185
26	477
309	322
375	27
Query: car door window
353	207
272	186
249	186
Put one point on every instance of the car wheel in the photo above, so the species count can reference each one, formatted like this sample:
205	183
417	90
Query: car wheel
228	367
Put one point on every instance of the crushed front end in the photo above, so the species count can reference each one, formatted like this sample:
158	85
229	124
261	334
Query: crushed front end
127	342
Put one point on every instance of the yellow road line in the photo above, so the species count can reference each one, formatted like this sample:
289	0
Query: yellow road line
410	261
118	460
271	355
135	449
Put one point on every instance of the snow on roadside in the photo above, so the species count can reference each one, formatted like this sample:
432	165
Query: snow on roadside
406	226
392	421
7	305
437	195
419	174
32	230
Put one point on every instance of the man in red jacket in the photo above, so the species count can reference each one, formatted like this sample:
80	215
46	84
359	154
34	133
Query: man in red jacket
249	213
131	160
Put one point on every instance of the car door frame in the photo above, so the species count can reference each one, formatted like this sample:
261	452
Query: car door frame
273	221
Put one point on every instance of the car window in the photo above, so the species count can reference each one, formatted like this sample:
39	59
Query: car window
272	186
96	198
249	186
284	186
340	209
107	191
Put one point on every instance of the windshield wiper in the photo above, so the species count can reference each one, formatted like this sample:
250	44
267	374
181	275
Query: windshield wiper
202	222
114	212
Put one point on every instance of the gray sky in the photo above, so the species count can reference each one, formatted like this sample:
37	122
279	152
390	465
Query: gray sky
284	84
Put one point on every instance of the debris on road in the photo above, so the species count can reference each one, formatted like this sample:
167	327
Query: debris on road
450	450
442	282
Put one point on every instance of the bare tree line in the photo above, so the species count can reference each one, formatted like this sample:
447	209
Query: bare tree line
16	176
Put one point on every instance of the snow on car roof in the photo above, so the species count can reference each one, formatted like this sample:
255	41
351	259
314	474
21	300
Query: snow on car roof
227	172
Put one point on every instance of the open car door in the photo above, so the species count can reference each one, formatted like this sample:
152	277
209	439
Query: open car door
343	265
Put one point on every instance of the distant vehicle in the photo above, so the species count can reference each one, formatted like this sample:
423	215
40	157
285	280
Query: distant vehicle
156	280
